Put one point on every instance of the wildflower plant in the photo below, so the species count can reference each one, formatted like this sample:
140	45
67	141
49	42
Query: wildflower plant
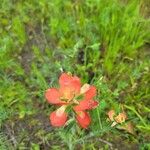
120	120
74	97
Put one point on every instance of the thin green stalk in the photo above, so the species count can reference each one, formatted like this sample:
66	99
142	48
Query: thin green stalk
99	119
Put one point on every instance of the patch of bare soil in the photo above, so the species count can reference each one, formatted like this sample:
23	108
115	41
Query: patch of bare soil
122	144
35	37
145	8
31	129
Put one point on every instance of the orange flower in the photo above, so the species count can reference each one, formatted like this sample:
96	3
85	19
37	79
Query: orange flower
120	118
67	95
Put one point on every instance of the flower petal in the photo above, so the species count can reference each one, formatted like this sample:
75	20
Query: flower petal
83	118
90	93
86	105
65	79
52	95
111	115
69	86
75	84
128	127
121	117
58	120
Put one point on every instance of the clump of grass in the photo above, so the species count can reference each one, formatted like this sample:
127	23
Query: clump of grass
4	142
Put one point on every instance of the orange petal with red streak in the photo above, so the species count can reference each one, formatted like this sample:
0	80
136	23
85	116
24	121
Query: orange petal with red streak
86	105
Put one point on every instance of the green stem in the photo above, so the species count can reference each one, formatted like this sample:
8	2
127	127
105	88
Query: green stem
99	119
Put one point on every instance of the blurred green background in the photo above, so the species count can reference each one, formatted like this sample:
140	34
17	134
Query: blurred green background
105	42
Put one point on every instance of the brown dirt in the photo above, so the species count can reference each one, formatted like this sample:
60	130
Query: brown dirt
36	38
28	130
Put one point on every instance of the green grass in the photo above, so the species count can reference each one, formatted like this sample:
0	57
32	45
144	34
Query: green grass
105	42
